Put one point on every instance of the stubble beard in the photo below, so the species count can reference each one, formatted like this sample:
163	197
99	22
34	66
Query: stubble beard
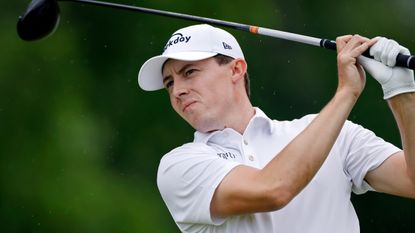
204	122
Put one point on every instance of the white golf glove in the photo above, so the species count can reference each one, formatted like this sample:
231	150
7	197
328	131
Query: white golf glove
394	80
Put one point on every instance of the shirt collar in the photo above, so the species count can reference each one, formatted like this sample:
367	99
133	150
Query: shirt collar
258	118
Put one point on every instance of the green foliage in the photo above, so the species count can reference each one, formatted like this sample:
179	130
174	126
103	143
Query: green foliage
80	143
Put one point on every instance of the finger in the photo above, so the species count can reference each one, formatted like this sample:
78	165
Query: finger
366	46
358	45
377	48
394	51
376	39
373	41
351	45
404	51
341	41
355	42
389	53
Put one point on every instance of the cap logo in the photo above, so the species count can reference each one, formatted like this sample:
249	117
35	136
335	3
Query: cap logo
226	46
177	38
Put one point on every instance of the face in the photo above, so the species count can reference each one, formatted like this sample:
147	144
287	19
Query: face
201	92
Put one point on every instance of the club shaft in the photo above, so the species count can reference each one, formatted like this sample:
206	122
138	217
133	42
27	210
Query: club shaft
289	36
244	27
402	60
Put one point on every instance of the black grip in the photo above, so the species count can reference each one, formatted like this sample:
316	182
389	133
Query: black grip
406	61
328	44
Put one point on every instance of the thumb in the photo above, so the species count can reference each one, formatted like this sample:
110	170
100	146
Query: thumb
367	63
376	69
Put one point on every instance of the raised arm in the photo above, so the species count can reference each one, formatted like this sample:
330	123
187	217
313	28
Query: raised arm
248	190
397	174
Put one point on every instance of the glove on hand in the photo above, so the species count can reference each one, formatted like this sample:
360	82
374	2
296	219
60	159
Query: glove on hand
394	80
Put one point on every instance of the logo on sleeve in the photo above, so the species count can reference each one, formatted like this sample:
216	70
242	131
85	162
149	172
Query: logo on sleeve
177	38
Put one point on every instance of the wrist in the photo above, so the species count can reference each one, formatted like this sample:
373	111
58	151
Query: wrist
347	96
405	87
342	103
402	100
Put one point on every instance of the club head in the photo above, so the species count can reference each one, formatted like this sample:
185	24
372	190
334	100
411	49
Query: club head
40	20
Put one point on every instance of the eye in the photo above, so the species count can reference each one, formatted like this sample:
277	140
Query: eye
189	72
168	84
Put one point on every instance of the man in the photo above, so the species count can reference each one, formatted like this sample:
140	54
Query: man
246	173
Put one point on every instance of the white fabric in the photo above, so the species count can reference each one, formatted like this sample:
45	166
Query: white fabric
394	80
188	176
191	43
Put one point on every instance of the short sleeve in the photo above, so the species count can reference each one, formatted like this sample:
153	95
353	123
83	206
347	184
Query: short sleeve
365	152
187	179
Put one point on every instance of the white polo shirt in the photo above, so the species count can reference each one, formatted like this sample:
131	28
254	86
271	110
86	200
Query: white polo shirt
188	176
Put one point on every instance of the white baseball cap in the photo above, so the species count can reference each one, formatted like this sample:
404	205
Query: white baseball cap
191	43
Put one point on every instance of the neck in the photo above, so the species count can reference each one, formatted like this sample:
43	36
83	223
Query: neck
241	115
235	114
245	121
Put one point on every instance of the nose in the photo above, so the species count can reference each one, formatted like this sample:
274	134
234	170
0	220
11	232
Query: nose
179	88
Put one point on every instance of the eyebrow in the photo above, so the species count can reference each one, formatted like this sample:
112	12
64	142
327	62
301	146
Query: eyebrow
180	71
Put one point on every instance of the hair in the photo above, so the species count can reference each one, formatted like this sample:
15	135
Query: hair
223	60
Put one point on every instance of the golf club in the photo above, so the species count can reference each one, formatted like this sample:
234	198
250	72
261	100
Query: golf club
41	18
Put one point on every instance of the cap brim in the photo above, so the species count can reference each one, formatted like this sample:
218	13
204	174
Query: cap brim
150	77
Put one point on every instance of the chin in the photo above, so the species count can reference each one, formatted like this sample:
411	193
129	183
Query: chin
205	124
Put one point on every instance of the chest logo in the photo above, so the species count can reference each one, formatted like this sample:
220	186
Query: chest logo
227	155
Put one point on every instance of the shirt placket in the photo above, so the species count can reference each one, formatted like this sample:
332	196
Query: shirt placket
248	153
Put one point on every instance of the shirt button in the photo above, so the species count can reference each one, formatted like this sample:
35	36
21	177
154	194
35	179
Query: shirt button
245	142
251	157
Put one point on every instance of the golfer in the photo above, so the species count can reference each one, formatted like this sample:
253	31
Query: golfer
245	172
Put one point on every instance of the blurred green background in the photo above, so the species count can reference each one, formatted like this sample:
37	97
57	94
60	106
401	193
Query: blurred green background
80	143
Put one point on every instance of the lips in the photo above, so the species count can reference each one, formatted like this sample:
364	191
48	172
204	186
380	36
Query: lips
187	104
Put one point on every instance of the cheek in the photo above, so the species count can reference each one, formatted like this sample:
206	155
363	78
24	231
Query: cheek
220	91
218	85
173	104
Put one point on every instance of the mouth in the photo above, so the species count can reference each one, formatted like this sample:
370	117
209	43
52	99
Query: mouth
188	104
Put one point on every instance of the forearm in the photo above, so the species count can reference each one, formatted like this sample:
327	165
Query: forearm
275	185
403	108
291	170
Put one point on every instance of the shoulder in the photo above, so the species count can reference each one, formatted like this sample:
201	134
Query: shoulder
189	160
296	124
187	151
305	120
191	168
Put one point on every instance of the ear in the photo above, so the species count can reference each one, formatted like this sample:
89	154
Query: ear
239	68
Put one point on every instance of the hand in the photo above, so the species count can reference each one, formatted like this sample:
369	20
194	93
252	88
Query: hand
352	77
394	80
